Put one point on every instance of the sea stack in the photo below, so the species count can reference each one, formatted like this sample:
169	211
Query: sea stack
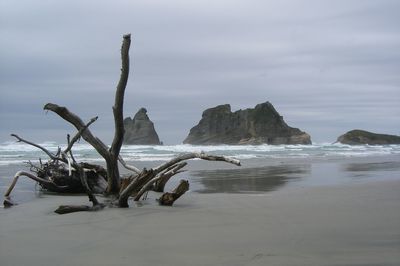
262	124
359	137
140	130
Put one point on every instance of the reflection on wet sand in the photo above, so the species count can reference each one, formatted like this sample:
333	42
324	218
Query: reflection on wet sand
247	180
365	167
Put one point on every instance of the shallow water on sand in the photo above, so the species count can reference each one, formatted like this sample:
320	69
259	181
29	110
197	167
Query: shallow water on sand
255	175
294	174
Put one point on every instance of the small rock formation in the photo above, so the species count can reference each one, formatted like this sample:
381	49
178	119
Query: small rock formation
263	124
140	130
358	137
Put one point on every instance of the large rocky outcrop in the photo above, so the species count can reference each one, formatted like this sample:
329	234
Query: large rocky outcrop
140	130
358	137
263	124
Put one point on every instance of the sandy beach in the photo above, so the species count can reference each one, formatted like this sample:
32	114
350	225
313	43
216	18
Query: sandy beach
356	223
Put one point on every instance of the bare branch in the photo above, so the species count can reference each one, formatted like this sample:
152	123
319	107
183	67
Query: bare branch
51	155
163	177
166	176
127	166
31	176
193	155
76	121
78	135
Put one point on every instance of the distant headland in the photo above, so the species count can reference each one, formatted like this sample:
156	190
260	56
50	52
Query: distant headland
360	137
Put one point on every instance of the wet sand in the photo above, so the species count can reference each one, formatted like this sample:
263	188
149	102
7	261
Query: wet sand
357	224
276	212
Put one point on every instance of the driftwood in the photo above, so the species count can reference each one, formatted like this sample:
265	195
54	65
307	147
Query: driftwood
166	176
144	180
168	198
62	173
7	200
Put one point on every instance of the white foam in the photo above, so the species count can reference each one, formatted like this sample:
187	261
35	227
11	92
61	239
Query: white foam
17	153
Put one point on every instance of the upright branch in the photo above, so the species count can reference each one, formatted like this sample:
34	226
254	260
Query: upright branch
112	163
111	155
119	97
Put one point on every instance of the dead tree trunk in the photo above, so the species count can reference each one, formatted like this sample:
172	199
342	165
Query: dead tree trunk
111	155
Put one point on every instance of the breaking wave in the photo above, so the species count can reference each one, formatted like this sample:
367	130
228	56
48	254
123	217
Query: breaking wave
16	153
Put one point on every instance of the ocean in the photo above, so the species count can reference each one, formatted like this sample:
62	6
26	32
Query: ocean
265	168
17	153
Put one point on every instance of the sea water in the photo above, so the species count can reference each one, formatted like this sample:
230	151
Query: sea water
17	153
265	168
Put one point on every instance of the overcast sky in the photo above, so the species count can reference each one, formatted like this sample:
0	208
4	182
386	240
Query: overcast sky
326	66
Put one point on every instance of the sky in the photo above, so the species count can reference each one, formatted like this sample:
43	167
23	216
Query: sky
327	66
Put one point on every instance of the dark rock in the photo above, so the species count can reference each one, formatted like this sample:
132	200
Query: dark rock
263	124
140	130
358	137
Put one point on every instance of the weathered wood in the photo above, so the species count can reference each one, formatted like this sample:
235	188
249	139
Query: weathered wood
135	185
51	155
163	178
147	178
167	175
110	155
77	122
7	202
119	98
83	178
64	209
127	166
79	134
112	163
168	198
188	156
33	177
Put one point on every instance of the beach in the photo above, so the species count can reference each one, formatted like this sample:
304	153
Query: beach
272	213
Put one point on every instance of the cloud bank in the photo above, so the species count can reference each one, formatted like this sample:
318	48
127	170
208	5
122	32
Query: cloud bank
327	66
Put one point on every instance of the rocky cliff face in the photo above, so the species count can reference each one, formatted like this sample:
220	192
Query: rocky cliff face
140	130
262	124
358	137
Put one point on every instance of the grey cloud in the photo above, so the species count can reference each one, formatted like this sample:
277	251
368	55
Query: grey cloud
319	62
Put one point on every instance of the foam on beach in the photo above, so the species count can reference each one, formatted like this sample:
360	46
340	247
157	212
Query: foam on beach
17	153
